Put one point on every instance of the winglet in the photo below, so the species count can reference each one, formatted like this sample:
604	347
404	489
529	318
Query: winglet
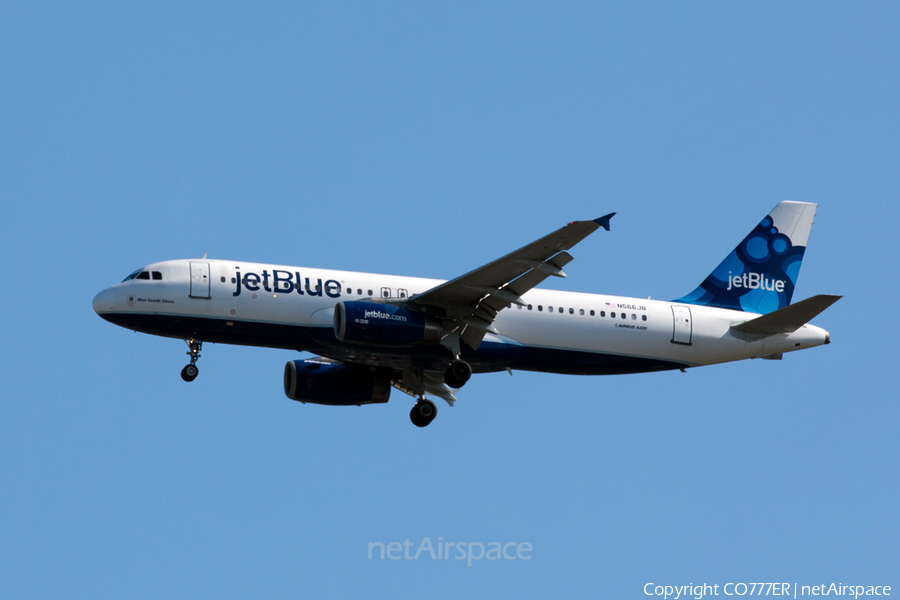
604	221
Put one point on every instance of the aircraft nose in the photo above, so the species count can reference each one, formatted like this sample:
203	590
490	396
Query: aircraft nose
104	301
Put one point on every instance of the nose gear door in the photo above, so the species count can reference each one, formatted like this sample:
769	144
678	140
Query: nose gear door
200	280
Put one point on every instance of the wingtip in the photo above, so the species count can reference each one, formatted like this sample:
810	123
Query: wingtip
604	220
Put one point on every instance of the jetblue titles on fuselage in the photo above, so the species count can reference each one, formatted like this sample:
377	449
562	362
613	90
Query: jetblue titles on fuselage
285	282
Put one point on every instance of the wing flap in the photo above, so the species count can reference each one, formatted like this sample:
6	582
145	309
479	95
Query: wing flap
472	337
416	382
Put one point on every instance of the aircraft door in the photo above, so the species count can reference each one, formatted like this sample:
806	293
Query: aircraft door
200	280
683	327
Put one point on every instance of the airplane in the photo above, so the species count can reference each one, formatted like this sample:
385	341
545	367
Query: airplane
426	337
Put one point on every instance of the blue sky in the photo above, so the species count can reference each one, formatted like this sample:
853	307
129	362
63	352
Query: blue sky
424	139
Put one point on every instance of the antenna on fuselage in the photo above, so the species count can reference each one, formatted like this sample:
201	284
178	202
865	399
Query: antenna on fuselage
203	257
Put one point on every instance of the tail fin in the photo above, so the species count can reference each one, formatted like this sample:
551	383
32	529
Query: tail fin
760	274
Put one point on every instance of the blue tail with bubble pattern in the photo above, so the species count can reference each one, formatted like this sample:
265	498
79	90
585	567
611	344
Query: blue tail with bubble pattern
760	274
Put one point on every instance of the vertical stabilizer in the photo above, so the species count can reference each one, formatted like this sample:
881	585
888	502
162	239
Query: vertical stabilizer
759	275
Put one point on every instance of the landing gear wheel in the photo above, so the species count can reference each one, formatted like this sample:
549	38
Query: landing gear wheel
422	413
189	373
457	374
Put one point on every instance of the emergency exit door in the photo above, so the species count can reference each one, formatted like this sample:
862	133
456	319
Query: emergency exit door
200	280
681	318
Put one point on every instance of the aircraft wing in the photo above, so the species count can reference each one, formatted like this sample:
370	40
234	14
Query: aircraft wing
471	302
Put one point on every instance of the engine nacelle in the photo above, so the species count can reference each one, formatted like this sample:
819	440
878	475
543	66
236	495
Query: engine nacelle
334	384
384	325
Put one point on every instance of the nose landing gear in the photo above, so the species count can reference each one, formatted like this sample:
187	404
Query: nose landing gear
190	372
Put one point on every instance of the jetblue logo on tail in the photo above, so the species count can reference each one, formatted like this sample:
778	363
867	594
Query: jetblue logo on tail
754	281
760	274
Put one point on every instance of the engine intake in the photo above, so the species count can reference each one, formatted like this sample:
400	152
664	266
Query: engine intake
372	323
335	384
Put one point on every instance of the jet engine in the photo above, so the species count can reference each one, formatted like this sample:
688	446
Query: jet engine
335	384
379	324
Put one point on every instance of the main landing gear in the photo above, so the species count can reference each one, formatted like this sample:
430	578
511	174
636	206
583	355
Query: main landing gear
457	374
189	372
423	412
417	382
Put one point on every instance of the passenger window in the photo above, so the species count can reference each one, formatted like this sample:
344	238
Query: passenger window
370	292
613	315
529	307
572	311
233	280
633	317
359	292
603	313
624	316
540	307
154	277
643	317
157	276
144	275
592	312
581	311
349	291
519	306
550	309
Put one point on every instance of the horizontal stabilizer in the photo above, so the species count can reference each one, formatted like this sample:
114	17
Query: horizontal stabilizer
788	319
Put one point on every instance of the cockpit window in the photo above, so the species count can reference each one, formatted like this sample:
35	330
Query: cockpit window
132	276
143	275
157	276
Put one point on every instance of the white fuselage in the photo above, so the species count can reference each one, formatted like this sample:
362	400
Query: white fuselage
259	304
